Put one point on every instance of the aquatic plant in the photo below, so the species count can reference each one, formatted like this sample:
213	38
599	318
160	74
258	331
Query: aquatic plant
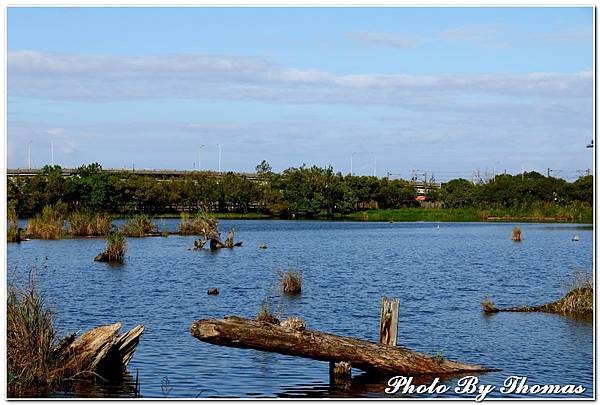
139	226
265	315
115	246
291	281
580	297
201	223
89	223
31	339
49	223
12	230
516	234
488	305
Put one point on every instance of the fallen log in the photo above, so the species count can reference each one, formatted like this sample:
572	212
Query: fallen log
100	351
246	334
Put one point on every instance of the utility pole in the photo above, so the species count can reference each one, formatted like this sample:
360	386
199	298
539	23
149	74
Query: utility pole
374	165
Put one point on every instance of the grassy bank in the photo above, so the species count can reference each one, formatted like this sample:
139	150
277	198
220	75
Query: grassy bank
473	215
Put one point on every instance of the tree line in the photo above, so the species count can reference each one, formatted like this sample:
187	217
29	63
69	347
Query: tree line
297	191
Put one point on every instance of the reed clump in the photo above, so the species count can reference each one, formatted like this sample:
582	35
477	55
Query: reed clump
291	281
49	224
200	223
89	223
265	316
139	226
12	230
516	234
580	298
116	246
488	305
31	341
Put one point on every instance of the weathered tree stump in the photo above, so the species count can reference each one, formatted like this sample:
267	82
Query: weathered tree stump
246	334
388	322
100	351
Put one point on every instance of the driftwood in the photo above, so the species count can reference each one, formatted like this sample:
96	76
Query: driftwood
100	351
246	334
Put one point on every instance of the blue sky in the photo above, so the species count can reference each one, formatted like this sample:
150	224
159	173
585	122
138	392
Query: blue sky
438	89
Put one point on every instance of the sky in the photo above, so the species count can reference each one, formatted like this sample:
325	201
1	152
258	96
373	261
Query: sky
447	91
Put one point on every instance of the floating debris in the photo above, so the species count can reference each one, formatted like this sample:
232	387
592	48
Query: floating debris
213	291
263	246
575	238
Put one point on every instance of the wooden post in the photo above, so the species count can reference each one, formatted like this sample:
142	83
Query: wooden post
388	322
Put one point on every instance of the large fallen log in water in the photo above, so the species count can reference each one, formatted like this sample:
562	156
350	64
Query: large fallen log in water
246	334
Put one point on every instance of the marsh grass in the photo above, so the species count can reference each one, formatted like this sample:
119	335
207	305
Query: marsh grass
12	228
116	245
49	224
488	305
516	234
197	224
31	340
265	315
291	280
139	226
89	223
580	296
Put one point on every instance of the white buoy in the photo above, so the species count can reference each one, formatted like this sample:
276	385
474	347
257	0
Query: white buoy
438	227
575	238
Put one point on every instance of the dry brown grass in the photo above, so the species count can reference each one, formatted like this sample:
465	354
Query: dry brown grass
31	340
488	305
89	224
265	315
49	224
580	298
291	281
516	234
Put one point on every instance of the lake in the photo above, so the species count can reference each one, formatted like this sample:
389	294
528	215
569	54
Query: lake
441	275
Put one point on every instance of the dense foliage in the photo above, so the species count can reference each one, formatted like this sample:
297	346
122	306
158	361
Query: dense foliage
300	191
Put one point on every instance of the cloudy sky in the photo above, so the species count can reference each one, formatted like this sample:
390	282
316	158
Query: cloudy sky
443	90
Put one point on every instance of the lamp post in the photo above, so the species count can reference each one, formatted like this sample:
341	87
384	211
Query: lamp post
52	152
351	162
200	157
29	154
219	146
374	164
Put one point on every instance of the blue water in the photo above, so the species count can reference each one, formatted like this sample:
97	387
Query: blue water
440	275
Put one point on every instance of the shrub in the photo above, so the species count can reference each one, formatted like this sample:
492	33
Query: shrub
89	224
265	315
49	224
488	305
139	225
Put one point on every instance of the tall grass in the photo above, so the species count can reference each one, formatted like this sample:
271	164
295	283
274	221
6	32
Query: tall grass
89	223
31	340
49	224
115	246
580	298
516	234
139	225
197	224
12	229
291	281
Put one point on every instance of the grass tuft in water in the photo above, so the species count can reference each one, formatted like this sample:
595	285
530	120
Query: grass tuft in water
89	223
516	234
291	281
49	223
139	226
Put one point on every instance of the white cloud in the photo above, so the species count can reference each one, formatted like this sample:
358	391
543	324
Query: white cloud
395	40
197	76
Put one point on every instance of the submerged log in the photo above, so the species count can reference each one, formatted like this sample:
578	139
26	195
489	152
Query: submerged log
577	302
100	351
246	334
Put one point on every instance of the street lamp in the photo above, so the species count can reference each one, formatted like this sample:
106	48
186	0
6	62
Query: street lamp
374	164
219	146
29	154
200	157
351	158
